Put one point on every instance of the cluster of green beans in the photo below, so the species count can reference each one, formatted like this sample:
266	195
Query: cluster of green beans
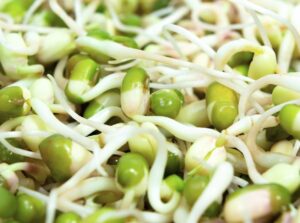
127	111
20	207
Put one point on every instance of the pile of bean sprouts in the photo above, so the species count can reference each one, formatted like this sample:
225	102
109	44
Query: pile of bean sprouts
186	45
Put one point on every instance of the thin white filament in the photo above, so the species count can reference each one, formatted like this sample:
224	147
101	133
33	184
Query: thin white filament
226	51
285	52
57	9
19	151
157	28
101	117
288	81
90	10
246	123
123	67
268	12
31	28
193	38
89	187
261	29
78	13
162	12
254	175
174	44
296	148
181	85
107	83
132	29
119	139
182	131
61	98
47	116
262	158
240	181
156	176
59	73
36	4
119	51
51	207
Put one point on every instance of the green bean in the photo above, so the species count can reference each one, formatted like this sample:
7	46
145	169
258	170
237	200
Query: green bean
135	92
144	145
166	102
73	61
281	95
222	105
284	174
71	156
262	140
193	187
108	197
15	64
175	182
42	85
174	164
240	58
107	57
283	147
14	102
8	203
33	123
237	159
213	210
276	133
9	157
98	215
132	170
204	155
55	46
53	148
98	33
288	117
208	16
99	54
152	5
16	9
159	4
131	20
127	6
101	8
172	184
83	75
194	113
29	209
46	18
262	64
126	41
114	159
262	202
68	217
109	98
275	35
242	69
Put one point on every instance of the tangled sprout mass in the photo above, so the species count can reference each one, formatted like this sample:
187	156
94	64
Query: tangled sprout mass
155	111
